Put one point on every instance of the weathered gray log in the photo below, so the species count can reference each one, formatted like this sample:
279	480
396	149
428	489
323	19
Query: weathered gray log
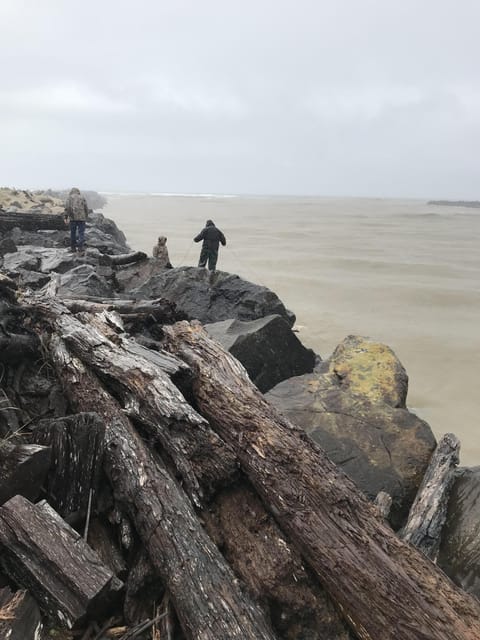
148	395
31	221
385	587
128	258
23	469
162	310
20	617
66	575
206	595
76	443
429	509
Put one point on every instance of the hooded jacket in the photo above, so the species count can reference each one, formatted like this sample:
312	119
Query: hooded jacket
76	207
211	237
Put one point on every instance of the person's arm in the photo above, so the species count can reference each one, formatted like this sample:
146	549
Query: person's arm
200	236
87	210
222	239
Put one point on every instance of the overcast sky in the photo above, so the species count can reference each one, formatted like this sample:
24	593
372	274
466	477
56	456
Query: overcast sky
328	97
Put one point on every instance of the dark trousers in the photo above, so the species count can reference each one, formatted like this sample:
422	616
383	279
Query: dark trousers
77	240
208	254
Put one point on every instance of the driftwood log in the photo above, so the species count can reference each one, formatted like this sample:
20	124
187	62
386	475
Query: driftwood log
132	311
128	258
76	444
205	593
429	510
148	395
66	576
31	221
386	588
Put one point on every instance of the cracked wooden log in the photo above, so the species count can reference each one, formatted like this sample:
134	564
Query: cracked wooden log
128	258
148	395
67	577
31	221
76	443
162	310
429	509
385	587
23	469
206	595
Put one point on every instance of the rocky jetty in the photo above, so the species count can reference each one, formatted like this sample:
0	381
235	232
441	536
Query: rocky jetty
182	502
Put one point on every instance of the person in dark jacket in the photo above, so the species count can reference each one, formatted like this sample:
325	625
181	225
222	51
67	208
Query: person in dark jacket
211	237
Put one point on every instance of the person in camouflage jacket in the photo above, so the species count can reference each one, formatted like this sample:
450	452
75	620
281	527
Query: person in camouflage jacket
76	212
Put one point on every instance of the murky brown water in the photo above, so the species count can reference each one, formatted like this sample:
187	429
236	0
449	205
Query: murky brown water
401	271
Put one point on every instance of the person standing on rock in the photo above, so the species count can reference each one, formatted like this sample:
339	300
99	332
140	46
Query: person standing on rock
211	237
76	211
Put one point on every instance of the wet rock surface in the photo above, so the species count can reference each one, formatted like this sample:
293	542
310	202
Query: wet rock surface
379	447
267	348
212	297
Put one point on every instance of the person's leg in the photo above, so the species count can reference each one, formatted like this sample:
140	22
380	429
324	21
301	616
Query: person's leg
73	235
212	259
81	234
203	257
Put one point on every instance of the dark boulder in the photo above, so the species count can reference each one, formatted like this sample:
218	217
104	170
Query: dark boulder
104	235
84	281
213	297
459	553
132	276
267	348
7	245
27	257
381	448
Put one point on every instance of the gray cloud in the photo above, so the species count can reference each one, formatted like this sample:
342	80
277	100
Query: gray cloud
344	97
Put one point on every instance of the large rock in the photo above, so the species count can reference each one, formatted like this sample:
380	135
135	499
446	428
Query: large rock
26	257
213	297
460	549
267	348
381	448
50	259
83	281
132	276
109	228
370	369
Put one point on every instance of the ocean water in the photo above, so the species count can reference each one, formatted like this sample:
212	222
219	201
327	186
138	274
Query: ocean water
400	271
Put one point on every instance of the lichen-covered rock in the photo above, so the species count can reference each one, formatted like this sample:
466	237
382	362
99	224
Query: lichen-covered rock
381	448
459	553
370	369
267	348
211	297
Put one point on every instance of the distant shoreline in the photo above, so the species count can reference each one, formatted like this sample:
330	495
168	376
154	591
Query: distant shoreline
472	204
